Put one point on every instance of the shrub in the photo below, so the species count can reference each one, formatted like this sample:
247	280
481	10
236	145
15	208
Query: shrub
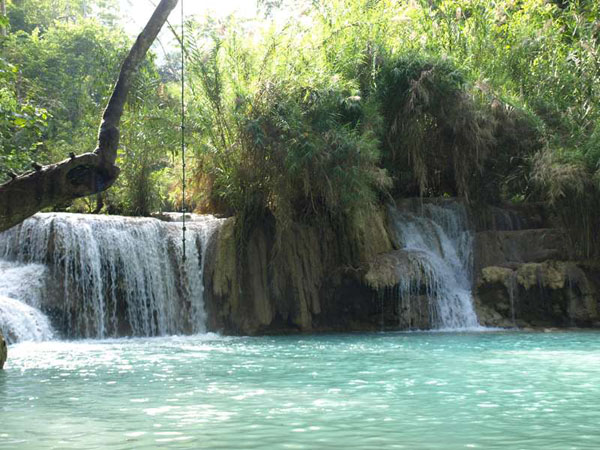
436	134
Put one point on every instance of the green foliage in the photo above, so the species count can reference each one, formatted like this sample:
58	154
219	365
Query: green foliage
447	97
567	184
437	135
150	137
301	149
317	118
27	15
63	65
48	65
532	66
310	158
22	125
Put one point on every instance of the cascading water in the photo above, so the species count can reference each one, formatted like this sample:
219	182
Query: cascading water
513	293
113	276
438	244
21	289
21	322
23	282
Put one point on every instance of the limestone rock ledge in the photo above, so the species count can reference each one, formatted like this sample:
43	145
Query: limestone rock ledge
306	279
539	294
311	278
389	269
503	248
526	274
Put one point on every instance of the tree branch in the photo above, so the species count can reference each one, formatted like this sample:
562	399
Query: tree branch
88	173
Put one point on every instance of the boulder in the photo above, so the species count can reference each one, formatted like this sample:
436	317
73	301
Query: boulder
389	269
3	351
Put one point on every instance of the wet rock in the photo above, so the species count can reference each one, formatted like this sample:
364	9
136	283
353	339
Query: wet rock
546	294
550	274
302	278
3	351
512	217
526	272
506	248
389	269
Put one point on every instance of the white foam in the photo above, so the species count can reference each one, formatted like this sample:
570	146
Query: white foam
20	322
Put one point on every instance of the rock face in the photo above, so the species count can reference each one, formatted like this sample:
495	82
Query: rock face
306	283
529	277
326	279
396	270
3	351
502	248
551	293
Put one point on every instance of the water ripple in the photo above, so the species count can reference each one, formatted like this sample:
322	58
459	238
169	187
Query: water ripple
396	390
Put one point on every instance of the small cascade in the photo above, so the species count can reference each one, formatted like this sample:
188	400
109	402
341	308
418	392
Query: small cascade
513	292
21	291
23	282
21	322
438	246
115	276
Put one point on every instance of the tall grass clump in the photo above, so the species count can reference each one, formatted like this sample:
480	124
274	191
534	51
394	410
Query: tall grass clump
437	134
297	146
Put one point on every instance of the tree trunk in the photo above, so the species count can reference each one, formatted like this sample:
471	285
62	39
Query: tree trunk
88	173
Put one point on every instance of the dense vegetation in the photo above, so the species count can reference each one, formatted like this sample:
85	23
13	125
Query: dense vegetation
320	119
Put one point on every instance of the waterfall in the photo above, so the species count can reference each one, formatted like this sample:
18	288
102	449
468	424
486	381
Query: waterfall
114	276
438	245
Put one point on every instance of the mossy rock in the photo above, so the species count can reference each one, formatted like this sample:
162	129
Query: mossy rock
495	274
549	274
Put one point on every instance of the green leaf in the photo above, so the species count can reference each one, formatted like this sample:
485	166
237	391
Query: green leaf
20	122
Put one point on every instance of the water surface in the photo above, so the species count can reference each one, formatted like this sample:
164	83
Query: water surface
412	390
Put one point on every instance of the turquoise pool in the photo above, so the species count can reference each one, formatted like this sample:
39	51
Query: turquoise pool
352	391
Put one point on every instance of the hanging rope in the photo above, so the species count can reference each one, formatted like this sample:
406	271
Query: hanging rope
183	211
